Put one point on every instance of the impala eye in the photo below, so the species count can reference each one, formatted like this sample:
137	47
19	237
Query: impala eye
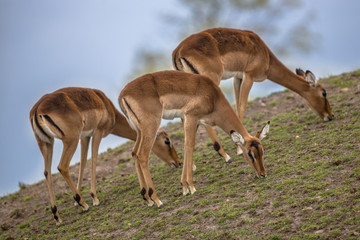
167	141
324	94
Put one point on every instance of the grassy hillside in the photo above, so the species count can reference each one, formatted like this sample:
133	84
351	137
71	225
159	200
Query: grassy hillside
312	190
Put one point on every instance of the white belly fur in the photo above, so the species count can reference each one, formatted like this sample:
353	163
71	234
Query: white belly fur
227	75
173	113
88	133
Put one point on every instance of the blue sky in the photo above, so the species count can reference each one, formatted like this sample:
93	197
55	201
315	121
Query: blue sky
46	45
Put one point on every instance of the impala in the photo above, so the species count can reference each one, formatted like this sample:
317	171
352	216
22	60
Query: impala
194	98
222	53
70	114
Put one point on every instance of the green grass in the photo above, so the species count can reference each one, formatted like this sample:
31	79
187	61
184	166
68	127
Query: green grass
312	190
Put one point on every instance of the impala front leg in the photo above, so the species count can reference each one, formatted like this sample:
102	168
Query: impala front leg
217	145
190	126
242	99
246	85
94	156
182	122
237	85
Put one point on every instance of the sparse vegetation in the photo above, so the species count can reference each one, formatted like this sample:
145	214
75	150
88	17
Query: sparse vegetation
312	190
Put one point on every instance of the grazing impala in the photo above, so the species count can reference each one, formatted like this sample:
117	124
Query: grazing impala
71	114
194	98
222	53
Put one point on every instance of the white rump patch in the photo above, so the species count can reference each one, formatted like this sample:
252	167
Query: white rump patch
42	136
132	123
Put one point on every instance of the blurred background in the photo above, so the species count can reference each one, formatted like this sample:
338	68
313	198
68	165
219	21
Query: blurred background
46	45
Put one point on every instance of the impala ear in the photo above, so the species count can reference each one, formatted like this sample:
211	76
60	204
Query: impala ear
237	138
310	78
262	133
300	72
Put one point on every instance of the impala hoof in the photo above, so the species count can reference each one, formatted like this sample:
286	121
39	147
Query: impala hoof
194	168
96	202
192	190
58	221
150	203
160	205
85	208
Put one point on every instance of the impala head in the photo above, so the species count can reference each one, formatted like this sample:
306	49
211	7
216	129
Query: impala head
253	149
317	96
164	149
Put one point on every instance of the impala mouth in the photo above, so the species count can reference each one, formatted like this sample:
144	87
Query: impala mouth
261	175
327	118
173	165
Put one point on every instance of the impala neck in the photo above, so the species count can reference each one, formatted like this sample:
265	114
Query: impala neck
280	74
227	120
122	127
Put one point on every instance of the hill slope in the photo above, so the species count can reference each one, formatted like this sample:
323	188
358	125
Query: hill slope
312	190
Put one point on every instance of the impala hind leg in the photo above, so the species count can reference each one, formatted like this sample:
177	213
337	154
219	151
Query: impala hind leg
84	143
217	145
140	175
190	127
63	167
147	140
47	152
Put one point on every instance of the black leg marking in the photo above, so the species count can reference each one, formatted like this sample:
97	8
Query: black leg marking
77	199
132	154
216	146
143	192
59	170
54	209
92	195
46	174
151	191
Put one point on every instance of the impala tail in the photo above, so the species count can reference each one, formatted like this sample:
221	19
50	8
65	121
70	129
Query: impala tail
176	61
130	114
44	126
